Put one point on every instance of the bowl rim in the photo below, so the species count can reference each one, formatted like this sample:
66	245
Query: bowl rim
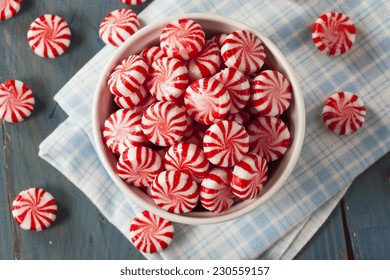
192	217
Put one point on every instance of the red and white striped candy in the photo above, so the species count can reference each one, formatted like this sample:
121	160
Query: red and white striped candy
219	38
333	33
215	191
207	101
127	77
150	233
138	166
34	209
122	130
242	118
344	113
188	158
168	79
175	191
206	63
151	54
49	36
133	2
225	143
183	39
190	123
269	137
271	93
249	176
164	123
134	100
117	26
238	87
9	8
244	51
16	101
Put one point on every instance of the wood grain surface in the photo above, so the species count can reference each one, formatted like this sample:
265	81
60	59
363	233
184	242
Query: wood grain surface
360	228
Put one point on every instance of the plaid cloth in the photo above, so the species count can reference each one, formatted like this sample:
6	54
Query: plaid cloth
328	162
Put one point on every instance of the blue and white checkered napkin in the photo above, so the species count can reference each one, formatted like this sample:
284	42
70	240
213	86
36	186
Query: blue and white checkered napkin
328	162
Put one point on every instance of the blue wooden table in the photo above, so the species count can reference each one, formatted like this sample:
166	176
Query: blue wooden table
359	228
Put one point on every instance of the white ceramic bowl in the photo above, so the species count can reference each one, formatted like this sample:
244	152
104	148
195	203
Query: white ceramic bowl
104	105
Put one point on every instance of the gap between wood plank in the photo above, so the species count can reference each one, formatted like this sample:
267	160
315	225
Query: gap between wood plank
347	235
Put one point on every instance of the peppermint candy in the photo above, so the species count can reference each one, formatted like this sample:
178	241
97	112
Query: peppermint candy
215	191
127	78
344	113
249	176
333	33
175	192
122	130
34	209
219	38
182	39
133	2
168	79
126	102
164	123
150	233
269	137
237	86
9	8
206	63
242	118
225	143
244	51
118	26
188	158
16	101
207	101
49	36
271	93
138	166
151	54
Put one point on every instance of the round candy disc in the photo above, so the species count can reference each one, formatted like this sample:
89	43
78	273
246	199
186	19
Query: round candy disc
133	2
151	54
271	93
9	8
219	38
244	51
16	101
269	137
49	36
225	143
215	191
127	102
175	191
333	33
150	233
207	101
183	39
138	166
206	63
344	113
34	209
117	26
249	176
242	118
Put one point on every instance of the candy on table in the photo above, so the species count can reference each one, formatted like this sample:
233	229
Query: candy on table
242	118
271	93
182	38
207	100
134	100
118	26
151	54
34	209
127	77
344	113
127	103
219	38
138	166
269	137
150	233
9	8
238	87
249	176
49	36
168	79
164	123
16	101
215	191
188	158
244	51
225	143
175	191
122	130
206	63
333	33
133	2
